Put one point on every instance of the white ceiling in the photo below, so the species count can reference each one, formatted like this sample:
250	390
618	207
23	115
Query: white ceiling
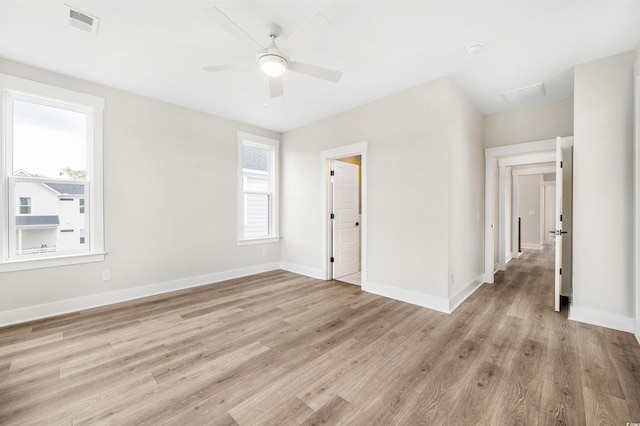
158	49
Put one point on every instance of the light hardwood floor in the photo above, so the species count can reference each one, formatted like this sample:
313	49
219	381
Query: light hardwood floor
278	348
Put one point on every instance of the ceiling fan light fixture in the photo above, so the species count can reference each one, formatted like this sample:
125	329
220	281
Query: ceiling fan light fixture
273	65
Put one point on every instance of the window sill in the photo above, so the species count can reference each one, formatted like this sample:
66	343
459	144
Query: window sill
252	241
50	262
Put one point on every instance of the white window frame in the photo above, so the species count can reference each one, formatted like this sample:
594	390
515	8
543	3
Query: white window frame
274	168
26	206
11	88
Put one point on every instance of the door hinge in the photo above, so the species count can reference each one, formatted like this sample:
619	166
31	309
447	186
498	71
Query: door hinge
560	218
561	164
333	216
560	271
333	173
332	260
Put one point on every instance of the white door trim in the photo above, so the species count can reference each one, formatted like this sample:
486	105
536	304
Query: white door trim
492	155
326	156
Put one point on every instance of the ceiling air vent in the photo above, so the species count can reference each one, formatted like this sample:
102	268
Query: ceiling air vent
524	93
81	20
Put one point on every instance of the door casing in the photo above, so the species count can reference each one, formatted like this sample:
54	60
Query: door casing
326	157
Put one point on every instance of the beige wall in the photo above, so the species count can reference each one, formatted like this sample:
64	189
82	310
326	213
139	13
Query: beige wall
603	186
466	189
533	123
415	138
530	187
170	210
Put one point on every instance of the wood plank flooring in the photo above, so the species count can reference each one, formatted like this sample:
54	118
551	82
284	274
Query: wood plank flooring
278	348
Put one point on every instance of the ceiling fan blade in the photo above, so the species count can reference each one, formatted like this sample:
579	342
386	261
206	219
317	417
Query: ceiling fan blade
275	87
218	68
309	31
315	71
225	22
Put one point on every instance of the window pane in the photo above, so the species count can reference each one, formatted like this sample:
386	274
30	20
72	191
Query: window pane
53	218
254	158
48	141
256	215
25	205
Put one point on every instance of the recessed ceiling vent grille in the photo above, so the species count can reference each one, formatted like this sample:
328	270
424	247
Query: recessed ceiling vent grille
81	20
524	93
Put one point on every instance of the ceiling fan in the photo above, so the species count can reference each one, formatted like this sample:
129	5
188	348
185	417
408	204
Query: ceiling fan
271	60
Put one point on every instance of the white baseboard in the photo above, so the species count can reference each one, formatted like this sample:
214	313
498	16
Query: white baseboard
303	270
532	246
601	318
30	313
425	300
462	294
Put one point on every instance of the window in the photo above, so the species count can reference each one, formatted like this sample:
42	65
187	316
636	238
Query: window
51	156
257	189
25	205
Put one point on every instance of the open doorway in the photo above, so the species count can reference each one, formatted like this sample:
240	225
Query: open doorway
508	171
345	208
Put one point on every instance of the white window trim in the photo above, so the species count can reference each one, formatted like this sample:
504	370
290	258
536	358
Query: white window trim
274	225
11	87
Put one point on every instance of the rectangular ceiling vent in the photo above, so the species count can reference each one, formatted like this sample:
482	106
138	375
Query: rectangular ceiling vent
81	20
524	93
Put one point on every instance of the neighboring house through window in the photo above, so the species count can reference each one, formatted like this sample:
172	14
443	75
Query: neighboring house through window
51	166
257	189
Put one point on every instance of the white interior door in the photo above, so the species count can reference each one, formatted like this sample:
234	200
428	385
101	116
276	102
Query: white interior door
346	238
559	232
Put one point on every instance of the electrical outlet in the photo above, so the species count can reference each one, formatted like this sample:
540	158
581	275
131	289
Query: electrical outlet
106	275
264	252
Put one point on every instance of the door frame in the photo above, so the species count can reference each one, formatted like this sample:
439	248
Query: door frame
326	157
492	155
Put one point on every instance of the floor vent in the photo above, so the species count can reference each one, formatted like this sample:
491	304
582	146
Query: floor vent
82	21
524	93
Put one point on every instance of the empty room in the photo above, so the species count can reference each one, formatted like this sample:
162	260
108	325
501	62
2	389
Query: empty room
319	212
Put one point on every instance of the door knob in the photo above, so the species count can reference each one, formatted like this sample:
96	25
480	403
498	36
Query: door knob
357	223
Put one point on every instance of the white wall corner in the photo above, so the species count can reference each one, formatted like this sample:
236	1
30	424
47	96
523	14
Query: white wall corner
303	270
46	310
436	303
462	294
601	318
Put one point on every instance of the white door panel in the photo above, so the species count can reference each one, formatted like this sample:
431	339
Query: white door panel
563	238
345	224
558	263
